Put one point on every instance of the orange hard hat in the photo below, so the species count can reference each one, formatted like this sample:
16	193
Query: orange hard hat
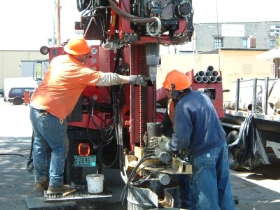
77	46
177	79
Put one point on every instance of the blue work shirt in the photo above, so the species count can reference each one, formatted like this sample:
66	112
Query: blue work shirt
197	127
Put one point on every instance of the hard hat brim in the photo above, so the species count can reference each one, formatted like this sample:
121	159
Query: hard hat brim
72	52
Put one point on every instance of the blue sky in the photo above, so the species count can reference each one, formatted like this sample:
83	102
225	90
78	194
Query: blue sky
27	24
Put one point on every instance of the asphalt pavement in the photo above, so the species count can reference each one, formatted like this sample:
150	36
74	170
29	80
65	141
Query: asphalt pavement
258	190
16	183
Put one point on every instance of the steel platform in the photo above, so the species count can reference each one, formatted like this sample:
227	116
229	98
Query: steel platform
77	196
62	202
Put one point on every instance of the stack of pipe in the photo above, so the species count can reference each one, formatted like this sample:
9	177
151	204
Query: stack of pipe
208	76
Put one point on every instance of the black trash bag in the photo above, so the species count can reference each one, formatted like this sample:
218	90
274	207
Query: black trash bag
248	150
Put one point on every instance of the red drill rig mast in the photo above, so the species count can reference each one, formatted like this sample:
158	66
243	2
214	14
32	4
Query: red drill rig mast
140	26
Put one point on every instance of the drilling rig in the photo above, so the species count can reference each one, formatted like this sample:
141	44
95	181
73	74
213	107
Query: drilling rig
118	126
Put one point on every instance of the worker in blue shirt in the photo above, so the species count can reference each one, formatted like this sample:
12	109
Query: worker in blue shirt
198	130
166	128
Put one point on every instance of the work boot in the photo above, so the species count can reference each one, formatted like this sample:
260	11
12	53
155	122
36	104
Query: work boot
58	189
41	186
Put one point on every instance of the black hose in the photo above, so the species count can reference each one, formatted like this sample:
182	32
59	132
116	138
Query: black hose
29	164
132	176
16	154
128	16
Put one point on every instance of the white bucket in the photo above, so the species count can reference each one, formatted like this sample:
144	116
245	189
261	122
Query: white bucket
95	183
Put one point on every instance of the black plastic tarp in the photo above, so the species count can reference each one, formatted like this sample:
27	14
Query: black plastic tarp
248	150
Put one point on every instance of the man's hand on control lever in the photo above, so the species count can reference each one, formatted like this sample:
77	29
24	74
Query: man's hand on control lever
139	80
163	143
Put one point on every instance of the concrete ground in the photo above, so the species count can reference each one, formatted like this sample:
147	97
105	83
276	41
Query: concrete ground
259	190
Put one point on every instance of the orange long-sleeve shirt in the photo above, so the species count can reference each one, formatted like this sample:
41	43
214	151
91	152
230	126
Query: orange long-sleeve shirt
62	86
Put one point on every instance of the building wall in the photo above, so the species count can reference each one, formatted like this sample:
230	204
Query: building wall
233	64
10	62
233	34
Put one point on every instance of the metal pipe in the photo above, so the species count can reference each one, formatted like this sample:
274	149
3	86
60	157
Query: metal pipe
229	105
208	73
254	99
153	130
237	94
205	79
215	73
213	79
58	22
265	95
164	178
219	79
152	59
210	68
243	106
198	79
200	73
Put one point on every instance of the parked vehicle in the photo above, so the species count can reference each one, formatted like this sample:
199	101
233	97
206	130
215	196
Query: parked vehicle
16	95
14	88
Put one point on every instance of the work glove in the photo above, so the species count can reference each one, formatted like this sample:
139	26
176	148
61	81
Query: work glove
163	143
138	80
145	138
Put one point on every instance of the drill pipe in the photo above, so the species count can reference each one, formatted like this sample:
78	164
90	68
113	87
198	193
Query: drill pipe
198	79
205	79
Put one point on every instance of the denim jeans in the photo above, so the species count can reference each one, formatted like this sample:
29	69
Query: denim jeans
185	191
211	183
50	134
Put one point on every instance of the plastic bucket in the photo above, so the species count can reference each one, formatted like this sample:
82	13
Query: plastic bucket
95	183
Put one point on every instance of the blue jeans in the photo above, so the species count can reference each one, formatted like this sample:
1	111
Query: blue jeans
185	191
211	183
50	134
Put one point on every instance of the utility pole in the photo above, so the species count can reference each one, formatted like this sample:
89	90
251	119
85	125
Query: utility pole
277	43
58	22
54	20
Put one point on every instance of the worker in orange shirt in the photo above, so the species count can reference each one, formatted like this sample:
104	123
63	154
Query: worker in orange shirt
54	100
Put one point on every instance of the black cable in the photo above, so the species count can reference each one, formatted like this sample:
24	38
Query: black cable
16	154
91	104
108	126
114	127
90	110
117	95
29	164
132	175
166	45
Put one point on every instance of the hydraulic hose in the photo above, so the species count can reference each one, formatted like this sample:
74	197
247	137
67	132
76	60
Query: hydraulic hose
129	17
29	164
16	154
133	174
